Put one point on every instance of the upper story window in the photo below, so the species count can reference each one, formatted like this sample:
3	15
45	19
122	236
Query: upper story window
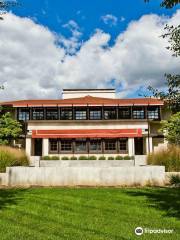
95	114
124	113
138	113
52	113
110	113
37	113
153	112
23	114
66	114
80	114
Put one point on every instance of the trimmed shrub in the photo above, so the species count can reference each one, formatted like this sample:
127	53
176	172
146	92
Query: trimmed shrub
110	158
12	157
55	158
92	158
83	158
73	158
168	157
64	158
102	158
127	158
175	179
119	158
46	158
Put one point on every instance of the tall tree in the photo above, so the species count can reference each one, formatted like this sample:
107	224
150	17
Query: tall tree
168	3
10	129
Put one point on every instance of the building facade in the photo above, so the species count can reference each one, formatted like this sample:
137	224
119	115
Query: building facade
90	122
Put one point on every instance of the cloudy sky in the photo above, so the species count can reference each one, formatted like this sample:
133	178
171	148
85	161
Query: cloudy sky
46	46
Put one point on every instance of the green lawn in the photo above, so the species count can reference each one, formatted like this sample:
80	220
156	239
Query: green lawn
88	213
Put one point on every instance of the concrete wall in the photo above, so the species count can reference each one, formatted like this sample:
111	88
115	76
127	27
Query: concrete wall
86	163
87	176
3	179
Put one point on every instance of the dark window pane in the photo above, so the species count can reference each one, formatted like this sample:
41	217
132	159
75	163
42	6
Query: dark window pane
66	145
23	114
66	113
138	113
124	113
80	114
123	144
95	114
110	113
53	145
38	114
51	113
80	146
110	145
153	112
95	145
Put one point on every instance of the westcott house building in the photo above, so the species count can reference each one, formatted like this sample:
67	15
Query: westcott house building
90	122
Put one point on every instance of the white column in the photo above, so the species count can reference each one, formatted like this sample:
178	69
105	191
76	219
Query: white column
131	150
28	146
45	147
149	145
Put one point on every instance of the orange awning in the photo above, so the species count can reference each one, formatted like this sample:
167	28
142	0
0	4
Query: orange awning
87	133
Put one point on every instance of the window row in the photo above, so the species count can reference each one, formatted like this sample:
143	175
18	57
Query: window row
88	146
95	113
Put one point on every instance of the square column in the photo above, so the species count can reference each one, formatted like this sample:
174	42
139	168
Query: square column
149	145
131	150
45	147
28	146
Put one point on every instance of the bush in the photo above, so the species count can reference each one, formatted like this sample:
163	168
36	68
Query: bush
102	158
73	158
127	158
92	158
64	158
12	157
54	158
110	158
175	179
46	158
83	158
119	158
132	157
168	157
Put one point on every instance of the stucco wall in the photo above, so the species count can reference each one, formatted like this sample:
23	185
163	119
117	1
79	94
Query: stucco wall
86	176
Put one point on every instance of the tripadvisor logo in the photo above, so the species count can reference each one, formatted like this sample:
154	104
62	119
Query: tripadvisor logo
139	231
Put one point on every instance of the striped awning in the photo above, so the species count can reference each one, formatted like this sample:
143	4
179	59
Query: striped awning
87	133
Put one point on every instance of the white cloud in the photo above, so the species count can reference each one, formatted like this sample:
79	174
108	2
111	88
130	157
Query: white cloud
32	65
110	19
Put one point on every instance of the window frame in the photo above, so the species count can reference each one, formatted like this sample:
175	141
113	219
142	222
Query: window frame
66	151
53	151
66	109
26	110
82	112
106	109
111	150
135	114
41	111
75	146
49	110
93	110
95	140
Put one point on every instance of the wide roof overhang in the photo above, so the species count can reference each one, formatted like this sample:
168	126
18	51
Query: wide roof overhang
87	133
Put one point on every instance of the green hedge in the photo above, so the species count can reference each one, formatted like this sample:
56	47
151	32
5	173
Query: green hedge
12	157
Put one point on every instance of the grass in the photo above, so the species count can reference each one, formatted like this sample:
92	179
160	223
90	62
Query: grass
88	213
169	157
12	157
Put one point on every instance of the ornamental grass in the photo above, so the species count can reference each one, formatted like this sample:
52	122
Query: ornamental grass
168	157
12	157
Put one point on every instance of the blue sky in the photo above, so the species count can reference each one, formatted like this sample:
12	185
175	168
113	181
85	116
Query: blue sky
48	45
55	13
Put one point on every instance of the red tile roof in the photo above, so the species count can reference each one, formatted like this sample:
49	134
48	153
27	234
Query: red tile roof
84	101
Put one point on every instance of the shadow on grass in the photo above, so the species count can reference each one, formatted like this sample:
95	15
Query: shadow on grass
166	199
10	197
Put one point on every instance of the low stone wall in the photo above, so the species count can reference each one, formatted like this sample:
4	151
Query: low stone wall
86	176
86	163
3	179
